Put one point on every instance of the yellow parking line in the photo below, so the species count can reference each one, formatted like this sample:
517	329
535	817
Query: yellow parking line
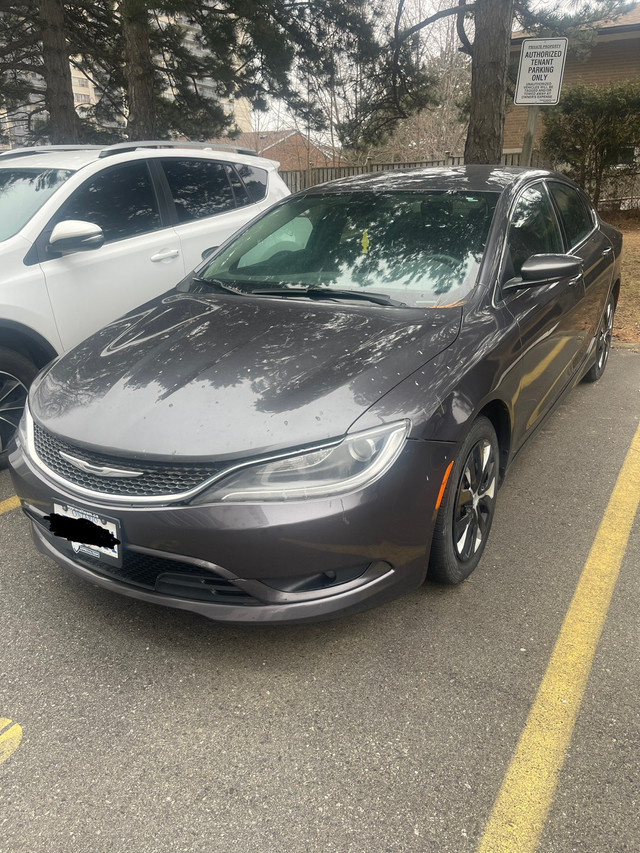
10	503
9	739
521	807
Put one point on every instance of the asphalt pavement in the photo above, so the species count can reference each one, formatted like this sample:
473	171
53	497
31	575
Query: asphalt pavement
149	730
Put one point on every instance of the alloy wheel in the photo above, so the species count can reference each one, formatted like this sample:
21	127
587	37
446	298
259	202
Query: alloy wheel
604	338
475	497
13	394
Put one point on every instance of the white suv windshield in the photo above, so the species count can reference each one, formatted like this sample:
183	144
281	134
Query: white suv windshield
23	192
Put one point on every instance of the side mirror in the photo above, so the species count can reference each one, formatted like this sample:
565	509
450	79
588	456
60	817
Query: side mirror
74	235
208	252
544	269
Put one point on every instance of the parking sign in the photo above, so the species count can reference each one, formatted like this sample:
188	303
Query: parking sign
540	72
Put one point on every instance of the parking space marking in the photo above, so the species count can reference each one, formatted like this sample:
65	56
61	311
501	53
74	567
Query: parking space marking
520	810
9	739
10	503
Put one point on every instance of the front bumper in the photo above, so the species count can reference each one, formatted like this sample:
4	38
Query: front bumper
262	562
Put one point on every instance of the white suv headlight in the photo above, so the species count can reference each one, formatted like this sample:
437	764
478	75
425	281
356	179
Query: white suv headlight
357	461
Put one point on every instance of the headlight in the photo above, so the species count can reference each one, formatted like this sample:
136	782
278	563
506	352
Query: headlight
25	427
357	461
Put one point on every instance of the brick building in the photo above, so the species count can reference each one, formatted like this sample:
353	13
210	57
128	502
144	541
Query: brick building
289	147
615	57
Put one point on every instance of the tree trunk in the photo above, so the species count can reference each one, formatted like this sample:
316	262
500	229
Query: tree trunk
138	67
490	56
64	126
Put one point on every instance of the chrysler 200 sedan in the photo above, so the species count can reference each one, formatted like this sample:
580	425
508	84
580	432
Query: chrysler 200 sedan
320	415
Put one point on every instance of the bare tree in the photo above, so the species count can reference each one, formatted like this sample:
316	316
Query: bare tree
441	128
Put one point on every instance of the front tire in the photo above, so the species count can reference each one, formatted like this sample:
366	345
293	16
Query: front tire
603	342
16	374
466	512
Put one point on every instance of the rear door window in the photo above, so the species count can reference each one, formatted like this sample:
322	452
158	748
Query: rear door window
200	188
254	179
239	189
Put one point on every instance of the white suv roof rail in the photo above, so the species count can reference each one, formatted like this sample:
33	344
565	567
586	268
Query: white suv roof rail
120	147
43	149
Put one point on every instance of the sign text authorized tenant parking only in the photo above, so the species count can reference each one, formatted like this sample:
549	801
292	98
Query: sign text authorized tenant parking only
540	72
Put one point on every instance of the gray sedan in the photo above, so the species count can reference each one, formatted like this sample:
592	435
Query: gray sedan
320	416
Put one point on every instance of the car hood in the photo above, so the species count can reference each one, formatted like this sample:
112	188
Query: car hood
199	375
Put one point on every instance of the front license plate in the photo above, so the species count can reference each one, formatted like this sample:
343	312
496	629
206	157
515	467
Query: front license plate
88	532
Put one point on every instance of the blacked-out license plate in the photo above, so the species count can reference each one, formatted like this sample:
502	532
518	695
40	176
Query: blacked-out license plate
87	532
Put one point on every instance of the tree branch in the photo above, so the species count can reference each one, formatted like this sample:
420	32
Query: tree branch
462	9
464	41
396	54
399	38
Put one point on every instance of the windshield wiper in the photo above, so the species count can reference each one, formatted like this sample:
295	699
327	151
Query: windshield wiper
329	293
218	285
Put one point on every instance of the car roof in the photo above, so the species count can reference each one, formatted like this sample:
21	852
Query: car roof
460	178
75	158
72	160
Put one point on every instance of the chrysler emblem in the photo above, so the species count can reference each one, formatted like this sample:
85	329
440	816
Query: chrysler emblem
98	470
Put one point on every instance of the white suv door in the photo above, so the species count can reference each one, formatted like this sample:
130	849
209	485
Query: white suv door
139	259
211	201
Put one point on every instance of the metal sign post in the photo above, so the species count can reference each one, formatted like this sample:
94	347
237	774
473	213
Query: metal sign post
539	82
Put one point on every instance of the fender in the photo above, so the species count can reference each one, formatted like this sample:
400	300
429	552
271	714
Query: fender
24	340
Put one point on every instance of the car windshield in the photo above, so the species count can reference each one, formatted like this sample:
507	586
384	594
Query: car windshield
417	248
23	192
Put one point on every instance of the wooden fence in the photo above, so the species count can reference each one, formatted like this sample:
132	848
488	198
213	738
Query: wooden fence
620	194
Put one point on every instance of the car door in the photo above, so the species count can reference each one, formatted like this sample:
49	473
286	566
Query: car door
211	203
585	240
141	256
548	316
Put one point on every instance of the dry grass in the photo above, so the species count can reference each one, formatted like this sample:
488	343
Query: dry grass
627	324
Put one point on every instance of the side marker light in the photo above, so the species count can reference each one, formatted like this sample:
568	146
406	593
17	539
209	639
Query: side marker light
444	483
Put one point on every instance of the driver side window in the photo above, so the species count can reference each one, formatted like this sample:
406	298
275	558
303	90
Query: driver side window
533	230
120	200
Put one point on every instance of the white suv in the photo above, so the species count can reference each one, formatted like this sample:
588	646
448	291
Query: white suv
87	233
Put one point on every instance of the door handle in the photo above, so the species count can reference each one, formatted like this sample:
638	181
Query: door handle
606	252
164	255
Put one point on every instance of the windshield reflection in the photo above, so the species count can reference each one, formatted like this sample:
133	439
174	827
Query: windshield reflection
421	248
23	192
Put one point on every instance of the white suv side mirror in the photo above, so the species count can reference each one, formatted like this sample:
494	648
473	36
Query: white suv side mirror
74	235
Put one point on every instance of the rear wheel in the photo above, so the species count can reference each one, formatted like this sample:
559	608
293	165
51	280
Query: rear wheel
466	512
603	342
16	374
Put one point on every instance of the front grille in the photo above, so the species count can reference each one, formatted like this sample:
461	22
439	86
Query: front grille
157	480
169	576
